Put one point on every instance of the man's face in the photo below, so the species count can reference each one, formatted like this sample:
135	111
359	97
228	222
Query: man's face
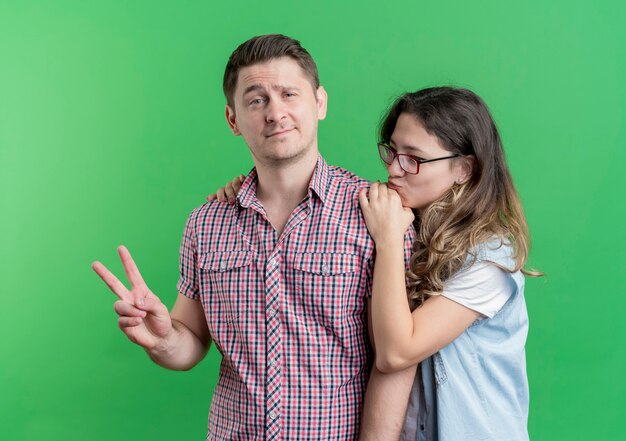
276	111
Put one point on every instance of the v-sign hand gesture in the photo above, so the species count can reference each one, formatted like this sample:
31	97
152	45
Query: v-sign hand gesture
142	317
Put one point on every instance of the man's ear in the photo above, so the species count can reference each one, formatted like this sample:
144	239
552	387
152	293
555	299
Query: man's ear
467	165
232	120
322	102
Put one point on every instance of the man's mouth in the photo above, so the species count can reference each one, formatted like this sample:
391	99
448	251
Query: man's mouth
279	132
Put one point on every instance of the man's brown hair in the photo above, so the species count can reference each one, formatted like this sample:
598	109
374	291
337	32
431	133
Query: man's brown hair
264	48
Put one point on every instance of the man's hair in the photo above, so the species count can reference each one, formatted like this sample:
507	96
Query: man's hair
262	49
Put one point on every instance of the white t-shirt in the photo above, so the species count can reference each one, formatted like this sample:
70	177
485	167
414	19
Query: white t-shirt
483	287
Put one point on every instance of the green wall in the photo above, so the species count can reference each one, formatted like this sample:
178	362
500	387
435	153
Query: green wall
112	131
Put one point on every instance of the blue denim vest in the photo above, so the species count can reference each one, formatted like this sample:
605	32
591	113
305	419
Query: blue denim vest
476	387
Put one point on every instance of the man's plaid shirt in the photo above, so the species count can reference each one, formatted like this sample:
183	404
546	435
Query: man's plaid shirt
288	313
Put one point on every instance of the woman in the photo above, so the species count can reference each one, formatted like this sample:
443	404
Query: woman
465	319
459	312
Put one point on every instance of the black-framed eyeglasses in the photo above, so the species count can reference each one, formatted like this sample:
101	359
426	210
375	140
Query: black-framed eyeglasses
408	163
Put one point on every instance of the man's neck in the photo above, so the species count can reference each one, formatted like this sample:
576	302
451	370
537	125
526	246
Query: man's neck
280	189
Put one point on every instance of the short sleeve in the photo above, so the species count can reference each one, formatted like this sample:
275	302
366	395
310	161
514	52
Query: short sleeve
483	287
188	260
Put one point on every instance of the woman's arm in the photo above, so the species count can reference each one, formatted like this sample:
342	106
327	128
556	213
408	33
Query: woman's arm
403	338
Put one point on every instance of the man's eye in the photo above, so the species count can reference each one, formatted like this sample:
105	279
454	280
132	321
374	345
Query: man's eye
257	101
290	94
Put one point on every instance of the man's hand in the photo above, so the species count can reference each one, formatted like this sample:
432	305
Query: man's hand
142	317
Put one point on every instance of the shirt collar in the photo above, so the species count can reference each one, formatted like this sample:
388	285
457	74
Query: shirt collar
247	192
318	184
319	181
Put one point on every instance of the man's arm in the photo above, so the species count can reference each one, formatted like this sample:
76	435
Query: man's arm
385	405
175	341
386	400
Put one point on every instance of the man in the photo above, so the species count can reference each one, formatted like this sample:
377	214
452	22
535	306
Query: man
280	280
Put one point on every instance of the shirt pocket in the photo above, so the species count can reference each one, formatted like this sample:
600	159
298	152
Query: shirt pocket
327	288
224	279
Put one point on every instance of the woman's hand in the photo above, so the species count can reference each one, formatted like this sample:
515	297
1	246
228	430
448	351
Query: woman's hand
387	220
228	192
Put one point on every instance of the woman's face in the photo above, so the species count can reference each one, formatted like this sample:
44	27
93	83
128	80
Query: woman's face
434	178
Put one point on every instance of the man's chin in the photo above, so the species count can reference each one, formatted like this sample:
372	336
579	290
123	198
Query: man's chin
286	157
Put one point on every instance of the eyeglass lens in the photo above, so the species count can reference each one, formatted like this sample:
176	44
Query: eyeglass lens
407	163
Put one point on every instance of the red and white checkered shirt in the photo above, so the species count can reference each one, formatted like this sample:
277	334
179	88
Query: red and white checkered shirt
288	313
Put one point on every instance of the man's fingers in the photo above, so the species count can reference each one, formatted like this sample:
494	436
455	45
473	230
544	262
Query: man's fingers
221	195
136	332
152	305
132	272
211	197
111	281
129	322
123	308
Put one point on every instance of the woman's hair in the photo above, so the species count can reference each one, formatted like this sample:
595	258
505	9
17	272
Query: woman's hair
468	214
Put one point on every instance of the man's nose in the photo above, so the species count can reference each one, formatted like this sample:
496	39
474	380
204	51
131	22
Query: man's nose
275	111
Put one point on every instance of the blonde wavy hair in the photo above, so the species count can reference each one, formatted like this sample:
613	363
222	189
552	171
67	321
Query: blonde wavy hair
468	214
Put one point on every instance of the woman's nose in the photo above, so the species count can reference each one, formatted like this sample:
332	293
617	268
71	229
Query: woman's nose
394	168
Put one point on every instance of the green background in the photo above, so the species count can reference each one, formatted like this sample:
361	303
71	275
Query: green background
112	131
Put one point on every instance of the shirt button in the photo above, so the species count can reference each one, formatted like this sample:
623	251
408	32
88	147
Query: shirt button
324	269
271	311
223	265
273	363
272	263
272	415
